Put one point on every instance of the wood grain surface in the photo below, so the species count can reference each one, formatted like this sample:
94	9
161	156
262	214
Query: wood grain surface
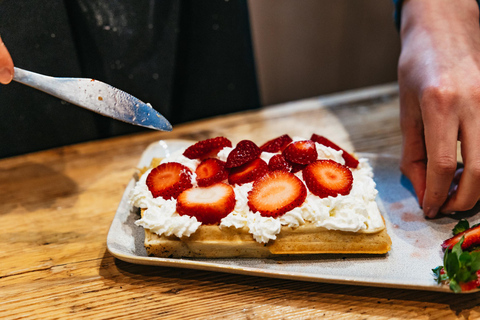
56	207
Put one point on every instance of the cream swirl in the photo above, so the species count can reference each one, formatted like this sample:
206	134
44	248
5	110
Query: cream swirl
263	228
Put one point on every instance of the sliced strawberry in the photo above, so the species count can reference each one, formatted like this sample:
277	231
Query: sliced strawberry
472	238
248	172
350	160
471	285
278	162
168	180
208	204
210	171
276	193
244	152
297	167
328	178
277	144
207	148
301	152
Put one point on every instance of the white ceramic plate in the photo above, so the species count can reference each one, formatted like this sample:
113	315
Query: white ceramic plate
415	241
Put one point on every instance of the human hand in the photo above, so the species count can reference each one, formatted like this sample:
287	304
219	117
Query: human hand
6	64
439	82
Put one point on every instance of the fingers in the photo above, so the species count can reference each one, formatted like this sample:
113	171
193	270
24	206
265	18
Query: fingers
6	64
467	193
413	161
441	132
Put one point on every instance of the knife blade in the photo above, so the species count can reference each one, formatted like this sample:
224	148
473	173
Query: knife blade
96	96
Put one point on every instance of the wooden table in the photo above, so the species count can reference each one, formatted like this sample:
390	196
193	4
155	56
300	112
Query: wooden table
56	207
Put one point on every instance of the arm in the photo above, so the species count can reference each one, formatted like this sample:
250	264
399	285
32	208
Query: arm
439	81
6	64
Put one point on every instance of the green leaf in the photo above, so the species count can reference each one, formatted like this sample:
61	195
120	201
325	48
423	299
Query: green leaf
454	286
475	264
465	258
452	265
464	274
438	275
457	249
461	226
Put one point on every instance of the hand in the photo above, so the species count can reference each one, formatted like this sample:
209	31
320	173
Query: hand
439	82
6	64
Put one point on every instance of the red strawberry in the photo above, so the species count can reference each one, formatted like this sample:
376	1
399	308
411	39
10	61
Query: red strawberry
210	171
208	204
278	162
328	178
471	285
472	238
277	144
244	152
350	160
206	148
276	193
301	152
248	172
297	167
168	180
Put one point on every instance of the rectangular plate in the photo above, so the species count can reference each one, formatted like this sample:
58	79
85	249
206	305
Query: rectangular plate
415	241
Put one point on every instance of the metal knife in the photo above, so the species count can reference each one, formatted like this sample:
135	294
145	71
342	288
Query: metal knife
96	96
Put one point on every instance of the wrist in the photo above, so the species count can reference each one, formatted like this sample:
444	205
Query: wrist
439	15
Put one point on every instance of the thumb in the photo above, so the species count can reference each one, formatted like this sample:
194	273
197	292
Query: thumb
6	64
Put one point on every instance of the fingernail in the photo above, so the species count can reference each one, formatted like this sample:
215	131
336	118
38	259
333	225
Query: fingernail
431	211
5	76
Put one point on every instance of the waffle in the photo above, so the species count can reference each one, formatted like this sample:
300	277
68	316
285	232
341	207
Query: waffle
210	241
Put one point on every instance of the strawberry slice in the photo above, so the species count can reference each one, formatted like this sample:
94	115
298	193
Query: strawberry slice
471	285
208	204
210	171
277	144
278	162
207	148
276	193
328	178
472	238
245	151
297	167
350	160
248	172
301	152
168	180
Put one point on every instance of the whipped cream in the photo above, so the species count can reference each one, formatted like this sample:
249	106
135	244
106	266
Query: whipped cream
355	212
160	215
